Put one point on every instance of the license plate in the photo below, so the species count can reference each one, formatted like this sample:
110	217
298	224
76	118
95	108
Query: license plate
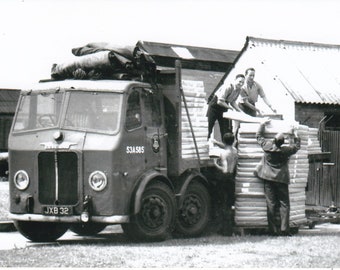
57	210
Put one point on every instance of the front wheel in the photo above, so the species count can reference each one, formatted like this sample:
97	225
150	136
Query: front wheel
87	229
194	213
156	218
41	231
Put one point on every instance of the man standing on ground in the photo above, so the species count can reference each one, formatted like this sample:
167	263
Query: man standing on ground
250	93
224	99
273	169
226	166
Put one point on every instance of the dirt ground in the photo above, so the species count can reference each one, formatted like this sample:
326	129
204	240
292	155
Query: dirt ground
316	248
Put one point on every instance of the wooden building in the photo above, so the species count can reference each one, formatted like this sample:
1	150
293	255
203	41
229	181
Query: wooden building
8	103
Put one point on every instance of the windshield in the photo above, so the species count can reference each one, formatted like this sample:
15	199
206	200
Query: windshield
38	111
95	111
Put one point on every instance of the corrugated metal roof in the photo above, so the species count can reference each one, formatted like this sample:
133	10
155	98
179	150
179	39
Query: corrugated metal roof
8	100
309	72
199	53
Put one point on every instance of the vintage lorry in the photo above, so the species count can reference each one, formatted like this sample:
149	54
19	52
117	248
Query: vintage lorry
85	154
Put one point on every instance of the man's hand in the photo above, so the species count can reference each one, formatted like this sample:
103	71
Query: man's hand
295	133
213	140
259	113
273	110
265	121
294	129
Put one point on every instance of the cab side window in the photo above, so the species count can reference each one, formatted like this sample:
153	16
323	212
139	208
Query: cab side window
133	113
152	113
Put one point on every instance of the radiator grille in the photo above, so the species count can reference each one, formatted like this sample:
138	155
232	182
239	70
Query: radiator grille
58	176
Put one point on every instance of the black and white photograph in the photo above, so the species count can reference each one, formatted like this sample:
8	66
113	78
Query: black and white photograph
170	134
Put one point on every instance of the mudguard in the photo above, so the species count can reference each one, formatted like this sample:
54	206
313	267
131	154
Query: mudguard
143	181
185	180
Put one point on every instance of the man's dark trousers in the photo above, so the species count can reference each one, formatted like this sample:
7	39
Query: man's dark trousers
275	191
213	115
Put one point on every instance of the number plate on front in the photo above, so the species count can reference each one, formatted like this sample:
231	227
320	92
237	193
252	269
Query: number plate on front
57	210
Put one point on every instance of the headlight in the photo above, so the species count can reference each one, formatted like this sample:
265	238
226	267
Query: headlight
21	180
98	180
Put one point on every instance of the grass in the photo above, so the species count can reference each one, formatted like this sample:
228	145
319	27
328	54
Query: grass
308	249
4	201
317	248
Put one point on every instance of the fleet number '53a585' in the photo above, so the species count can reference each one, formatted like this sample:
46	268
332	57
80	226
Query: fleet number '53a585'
135	149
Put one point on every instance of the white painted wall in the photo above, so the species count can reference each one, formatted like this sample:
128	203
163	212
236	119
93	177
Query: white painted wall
267	65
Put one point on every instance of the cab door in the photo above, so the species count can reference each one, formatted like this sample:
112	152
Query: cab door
155	139
144	139
133	141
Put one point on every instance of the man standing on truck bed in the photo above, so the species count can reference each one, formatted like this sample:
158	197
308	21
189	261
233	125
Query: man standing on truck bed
223	100
225	188
250	93
273	169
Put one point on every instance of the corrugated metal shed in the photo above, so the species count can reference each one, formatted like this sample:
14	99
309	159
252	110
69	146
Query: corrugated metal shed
191	57
308	72
8	100
8	103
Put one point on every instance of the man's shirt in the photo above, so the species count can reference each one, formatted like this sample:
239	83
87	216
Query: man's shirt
229	95
252	92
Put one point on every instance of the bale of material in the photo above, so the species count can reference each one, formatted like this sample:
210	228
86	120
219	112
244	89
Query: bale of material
196	103
250	204
99	61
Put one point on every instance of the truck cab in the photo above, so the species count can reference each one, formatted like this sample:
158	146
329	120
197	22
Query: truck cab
85	154
128	147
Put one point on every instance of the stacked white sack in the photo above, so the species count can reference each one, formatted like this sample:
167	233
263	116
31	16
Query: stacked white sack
195	97
250	204
313	141
299	168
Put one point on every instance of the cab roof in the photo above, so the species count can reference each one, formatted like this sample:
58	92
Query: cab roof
118	86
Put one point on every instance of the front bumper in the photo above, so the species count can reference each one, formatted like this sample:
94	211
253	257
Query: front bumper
69	219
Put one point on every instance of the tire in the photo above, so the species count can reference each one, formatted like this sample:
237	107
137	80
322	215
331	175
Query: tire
194	213
156	218
311	225
294	230
41	231
335	222
87	229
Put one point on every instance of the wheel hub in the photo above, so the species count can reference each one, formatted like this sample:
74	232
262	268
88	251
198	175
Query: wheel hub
191	210
153	212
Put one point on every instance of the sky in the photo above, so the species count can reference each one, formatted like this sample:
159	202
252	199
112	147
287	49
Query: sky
34	34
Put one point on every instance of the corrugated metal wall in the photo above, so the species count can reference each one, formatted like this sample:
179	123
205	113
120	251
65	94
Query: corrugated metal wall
8	103
5	126
8	100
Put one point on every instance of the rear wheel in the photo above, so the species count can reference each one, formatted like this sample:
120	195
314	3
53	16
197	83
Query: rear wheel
194	213
41	231
156	218
311	224
87	229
